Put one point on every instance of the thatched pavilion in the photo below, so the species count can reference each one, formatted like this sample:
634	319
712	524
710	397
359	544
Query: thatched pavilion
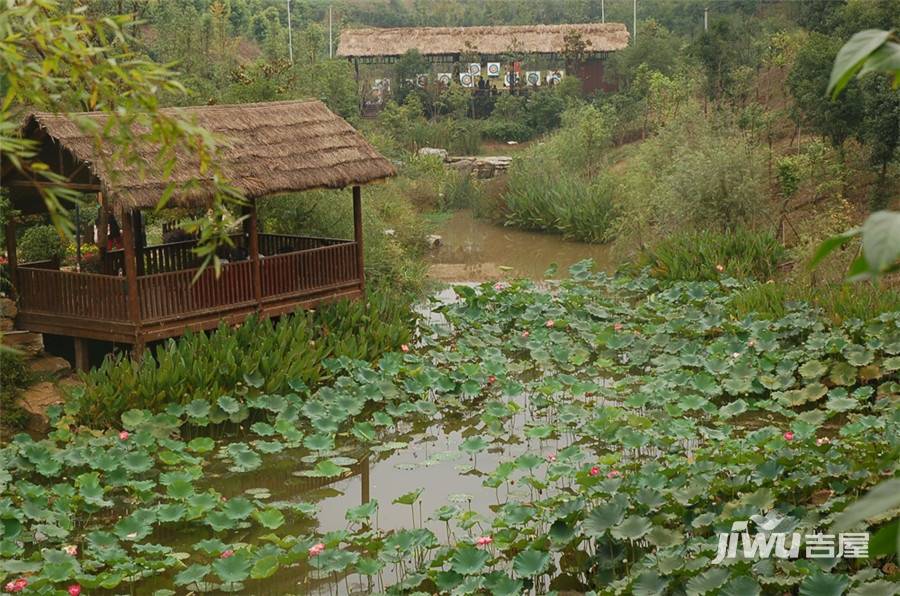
145	293
594	42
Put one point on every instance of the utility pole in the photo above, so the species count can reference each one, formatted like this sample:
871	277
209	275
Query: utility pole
706	19
634	37
290	35
602	11
330	39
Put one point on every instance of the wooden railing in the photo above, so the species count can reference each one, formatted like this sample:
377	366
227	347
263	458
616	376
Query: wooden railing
81	295
160	258
306	271
276	244
174	294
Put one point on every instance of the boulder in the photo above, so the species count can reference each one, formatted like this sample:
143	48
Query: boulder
441	153
46	364
433	240
8	308
26	342
35	400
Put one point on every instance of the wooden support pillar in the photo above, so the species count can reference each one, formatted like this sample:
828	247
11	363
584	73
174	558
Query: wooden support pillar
140	239
254	254
131	281
12	261
82	356
103	234
358	237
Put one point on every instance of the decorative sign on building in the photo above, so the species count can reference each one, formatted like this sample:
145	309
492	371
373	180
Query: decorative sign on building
475	69
533	78
422	80
555	76
466	79
444	78
493	69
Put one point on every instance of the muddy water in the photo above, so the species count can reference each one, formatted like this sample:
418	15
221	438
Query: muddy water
477	250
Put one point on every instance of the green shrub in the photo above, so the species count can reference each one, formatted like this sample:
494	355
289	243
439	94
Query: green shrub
41	243
258	356
14	376
696	256
838	301
502	129
460	191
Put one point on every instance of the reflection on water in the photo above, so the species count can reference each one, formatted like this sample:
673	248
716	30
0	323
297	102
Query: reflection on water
477	250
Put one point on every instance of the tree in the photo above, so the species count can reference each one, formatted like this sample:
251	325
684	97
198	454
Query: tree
837	120
59	61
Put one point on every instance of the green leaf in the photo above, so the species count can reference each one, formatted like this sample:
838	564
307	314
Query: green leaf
238	508
264	567
468	560
408	498
363	512
832	244
474	445
201	445
881	239
707	581
738	406
824	584
602	518
852	56
530	563
192	575
228	404
649	583
132	419
883	498
235	568
632	528
269	518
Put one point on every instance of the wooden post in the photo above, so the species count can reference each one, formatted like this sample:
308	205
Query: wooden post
103	234
254	254
358	237
140	239
131	281
82	357
11	259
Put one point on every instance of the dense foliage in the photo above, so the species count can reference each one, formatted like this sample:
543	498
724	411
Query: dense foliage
259	356
647	422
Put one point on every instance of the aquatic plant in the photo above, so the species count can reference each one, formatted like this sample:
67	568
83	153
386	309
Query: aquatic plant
653	422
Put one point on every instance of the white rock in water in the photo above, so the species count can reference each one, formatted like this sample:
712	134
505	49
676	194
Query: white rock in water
512	142
434	240
390	232
442	153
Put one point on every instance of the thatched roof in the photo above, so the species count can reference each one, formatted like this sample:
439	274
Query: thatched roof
434	41
269	148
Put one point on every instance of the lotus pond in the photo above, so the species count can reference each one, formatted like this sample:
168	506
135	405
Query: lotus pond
595	434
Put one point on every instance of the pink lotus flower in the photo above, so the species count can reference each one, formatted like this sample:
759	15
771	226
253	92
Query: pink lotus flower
551	458
788	436
17	585
316	549
525	334
227	554
124	435
499	286
751	343
614	474
70	550
549	323
618	327
74	590
822	441
720	268
483	541
594	471
492	379
404	348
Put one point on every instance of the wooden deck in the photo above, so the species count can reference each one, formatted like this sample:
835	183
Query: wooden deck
295	272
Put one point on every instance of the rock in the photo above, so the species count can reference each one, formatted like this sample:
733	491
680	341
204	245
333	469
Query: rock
27	342
35	400
390	232
8	308
512	142
49	365
442	153
433	240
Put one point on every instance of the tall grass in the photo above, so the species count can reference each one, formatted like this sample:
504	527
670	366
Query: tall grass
838	301
696	256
